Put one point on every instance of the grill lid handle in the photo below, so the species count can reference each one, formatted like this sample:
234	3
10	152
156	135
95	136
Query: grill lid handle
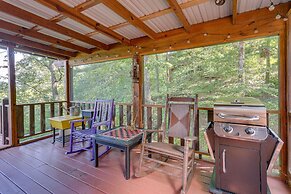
241	117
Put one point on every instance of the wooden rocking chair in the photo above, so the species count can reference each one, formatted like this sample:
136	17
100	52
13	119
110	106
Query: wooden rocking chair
103	114
180	115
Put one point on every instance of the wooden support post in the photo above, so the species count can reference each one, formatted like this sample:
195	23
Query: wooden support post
12	97
283	102
289	94
137	79
68	85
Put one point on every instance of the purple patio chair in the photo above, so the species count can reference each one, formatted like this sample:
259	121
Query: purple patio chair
103	113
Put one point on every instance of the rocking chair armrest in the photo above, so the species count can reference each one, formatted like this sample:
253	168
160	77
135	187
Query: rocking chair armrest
80	120
190	138
96	124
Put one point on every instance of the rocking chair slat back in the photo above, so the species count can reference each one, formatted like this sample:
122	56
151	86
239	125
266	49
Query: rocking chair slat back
103	111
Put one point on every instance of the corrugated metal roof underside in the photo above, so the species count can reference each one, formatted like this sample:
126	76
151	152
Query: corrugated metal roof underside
249	5
36	40
164	23
103	15
34	7
15	20
64	48
7	32
144	7
53	34
76	26
83	44
73	3
130	32
102	38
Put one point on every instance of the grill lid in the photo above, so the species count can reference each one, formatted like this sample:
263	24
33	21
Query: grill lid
245	101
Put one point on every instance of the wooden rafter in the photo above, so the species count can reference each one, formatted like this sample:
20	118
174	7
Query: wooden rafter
32	33
162	12
178	39
76	15
19	13
29	43
30	50
234	11
178	11
119	9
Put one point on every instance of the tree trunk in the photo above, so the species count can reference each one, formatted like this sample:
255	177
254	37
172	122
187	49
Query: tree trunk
54	81
241	62
157	75
147	86
268	63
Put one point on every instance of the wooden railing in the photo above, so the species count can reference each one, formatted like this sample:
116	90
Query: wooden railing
32	119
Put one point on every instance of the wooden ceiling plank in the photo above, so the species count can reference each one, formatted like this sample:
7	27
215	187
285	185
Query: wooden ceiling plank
162	12
19	13
29	43
86	5
179	13
234	11
32	33
76	15
119	9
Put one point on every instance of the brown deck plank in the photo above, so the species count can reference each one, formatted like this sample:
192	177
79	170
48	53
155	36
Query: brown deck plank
94	182
8	187
18	178
30	171
113	165
77	173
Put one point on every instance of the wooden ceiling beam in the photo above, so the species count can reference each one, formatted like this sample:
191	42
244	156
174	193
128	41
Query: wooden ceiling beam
32	51
119	9
19	13
32	33
178	39
32	44
234	11
72	13
86	5
179	13
162	12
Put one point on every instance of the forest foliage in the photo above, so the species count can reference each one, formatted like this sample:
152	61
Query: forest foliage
248	68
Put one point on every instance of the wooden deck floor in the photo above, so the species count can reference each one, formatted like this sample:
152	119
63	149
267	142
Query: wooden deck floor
41	168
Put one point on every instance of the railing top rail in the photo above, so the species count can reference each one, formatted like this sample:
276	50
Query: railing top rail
38	103
92	102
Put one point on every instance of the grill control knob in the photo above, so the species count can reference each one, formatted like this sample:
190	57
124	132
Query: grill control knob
250	131
228	129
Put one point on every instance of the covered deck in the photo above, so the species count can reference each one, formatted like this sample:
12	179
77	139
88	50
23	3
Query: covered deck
82	32
44	168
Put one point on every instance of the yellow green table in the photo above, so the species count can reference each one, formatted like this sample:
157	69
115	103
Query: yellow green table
62	123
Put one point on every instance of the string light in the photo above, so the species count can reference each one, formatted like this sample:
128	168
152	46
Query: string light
285	19
154	49
228	36
278	16
128	50
188	41
205	34
170	47
256	31
271	7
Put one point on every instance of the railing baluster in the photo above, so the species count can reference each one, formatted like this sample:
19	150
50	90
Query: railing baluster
128	114
31	120
159	117
120	115
20	121
52	109
60	108
149	118
42	118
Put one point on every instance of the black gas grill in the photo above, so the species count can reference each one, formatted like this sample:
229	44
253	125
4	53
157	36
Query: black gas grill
243	147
